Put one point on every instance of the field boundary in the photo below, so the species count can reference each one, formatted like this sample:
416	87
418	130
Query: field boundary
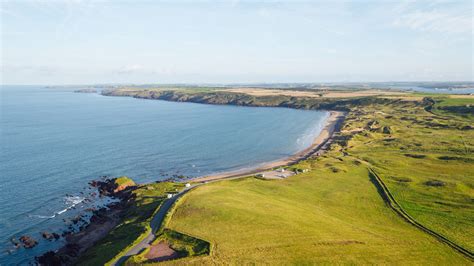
394	205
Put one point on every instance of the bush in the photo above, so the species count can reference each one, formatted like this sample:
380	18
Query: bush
401	179
435	183
416	156
455	158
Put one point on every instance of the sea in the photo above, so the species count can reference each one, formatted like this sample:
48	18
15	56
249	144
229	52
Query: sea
53	142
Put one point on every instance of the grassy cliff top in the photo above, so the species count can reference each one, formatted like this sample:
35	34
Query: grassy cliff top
124	181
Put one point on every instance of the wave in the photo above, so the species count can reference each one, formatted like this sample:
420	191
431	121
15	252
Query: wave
71	201
41	216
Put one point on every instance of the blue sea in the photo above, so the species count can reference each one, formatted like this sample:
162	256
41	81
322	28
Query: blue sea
53	142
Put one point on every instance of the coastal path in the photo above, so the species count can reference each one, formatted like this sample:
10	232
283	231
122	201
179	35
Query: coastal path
155	225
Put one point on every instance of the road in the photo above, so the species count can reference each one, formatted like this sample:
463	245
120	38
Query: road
155	225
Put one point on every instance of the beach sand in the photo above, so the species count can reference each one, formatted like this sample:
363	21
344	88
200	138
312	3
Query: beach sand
333	124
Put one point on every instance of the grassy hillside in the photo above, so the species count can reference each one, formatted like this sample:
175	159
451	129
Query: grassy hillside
334	213
135	222
427	162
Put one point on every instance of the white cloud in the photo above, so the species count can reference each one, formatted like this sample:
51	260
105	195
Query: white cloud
143	70
129	69
435	20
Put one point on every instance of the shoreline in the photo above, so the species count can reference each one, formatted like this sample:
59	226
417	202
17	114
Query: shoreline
332	125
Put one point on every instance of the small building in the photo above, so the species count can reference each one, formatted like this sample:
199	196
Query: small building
169	195
187	185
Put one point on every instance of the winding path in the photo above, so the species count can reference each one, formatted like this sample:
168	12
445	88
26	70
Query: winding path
155	225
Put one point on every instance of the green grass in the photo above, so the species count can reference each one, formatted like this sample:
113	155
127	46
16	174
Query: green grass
334	213
123	180
455	107
319	217
135	223
447	157
184	245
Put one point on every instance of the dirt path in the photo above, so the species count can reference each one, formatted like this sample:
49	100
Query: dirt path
161	252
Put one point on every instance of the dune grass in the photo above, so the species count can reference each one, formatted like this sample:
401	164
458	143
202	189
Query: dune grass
334	213
440	189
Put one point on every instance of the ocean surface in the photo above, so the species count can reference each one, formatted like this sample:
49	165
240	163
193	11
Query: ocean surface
53	142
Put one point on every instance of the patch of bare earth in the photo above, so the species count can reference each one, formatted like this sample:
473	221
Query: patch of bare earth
470	96
405	98
314	94
363	93
161	252
270	92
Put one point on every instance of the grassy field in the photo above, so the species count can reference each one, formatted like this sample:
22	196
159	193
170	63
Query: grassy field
334	213
427	162
455	106
135	222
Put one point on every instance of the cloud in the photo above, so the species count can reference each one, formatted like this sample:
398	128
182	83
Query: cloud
437	18
133	69
23	69
130	69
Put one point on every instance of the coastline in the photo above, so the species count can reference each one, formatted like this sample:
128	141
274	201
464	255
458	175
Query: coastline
332	125
99	227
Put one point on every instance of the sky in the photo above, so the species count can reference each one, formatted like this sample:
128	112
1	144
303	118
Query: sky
89	42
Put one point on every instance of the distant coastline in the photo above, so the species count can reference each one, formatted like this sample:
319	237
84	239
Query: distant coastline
87	90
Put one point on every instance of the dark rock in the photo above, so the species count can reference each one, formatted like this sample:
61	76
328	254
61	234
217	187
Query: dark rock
49	258
28	241
386	130
47	235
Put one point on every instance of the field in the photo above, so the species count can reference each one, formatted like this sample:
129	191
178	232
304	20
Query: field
334	213
319	93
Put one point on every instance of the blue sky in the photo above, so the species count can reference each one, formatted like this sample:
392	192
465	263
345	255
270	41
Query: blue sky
84	42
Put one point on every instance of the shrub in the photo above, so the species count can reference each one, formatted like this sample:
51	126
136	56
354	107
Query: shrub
416	156
435	183
401	179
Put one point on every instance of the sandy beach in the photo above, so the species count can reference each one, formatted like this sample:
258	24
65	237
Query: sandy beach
332	124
